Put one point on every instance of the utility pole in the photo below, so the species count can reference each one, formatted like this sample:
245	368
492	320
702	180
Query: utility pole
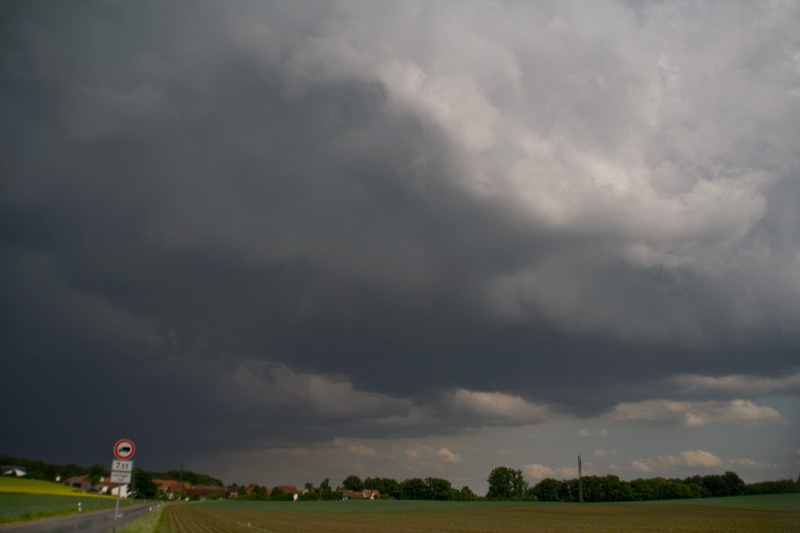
580	481
180	484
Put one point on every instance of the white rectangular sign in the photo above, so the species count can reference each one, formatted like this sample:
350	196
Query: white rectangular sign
120	477
121	466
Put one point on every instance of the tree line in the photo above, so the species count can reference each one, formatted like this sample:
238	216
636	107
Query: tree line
410	489
508	484
504	484
51	472
429	488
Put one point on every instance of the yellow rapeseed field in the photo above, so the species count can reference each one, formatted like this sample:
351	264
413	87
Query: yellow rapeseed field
32	486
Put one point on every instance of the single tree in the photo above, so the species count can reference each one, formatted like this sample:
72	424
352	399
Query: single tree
438	489
143	484
546	490
388	487
506	484
353	483
96	472
413	489
466	495
325	492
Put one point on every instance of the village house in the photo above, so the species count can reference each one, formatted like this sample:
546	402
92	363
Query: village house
107	487
366	494
174	489
17	471
79	482
204	491
170	488
102	487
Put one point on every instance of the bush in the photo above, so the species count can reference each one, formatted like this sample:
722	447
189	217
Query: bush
279	495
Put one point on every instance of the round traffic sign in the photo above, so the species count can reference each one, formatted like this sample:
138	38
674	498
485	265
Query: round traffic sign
124	449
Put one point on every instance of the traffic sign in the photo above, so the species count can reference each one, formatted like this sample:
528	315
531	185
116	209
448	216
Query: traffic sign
121	466
124	449
120	477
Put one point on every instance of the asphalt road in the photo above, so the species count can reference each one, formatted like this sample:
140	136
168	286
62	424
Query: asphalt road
93	522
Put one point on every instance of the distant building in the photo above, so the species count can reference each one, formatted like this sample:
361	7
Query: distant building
288	489
17	471
108	487
175	489
103	486
79	482
366	494
204	491
170	488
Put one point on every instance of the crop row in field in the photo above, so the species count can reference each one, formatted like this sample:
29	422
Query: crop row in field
444	516
361	506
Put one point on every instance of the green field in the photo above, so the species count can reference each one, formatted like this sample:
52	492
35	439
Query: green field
26	499
357	506
750	513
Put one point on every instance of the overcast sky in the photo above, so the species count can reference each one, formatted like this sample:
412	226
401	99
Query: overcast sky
279	242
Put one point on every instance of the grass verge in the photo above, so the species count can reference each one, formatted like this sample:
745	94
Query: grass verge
150	523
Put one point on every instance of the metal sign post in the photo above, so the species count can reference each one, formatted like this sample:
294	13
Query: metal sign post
122	469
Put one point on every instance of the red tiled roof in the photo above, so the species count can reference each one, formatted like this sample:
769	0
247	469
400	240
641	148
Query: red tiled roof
205	490
79	481
366	493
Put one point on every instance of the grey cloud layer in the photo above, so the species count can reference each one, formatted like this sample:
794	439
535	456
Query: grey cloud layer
406	206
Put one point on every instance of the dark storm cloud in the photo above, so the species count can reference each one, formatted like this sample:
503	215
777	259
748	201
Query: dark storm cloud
245	222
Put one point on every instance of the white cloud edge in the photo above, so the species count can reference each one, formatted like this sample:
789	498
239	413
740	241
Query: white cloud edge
697	414
660	465
498	406
739	384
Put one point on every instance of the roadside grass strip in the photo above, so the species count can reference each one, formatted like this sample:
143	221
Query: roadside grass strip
149	523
